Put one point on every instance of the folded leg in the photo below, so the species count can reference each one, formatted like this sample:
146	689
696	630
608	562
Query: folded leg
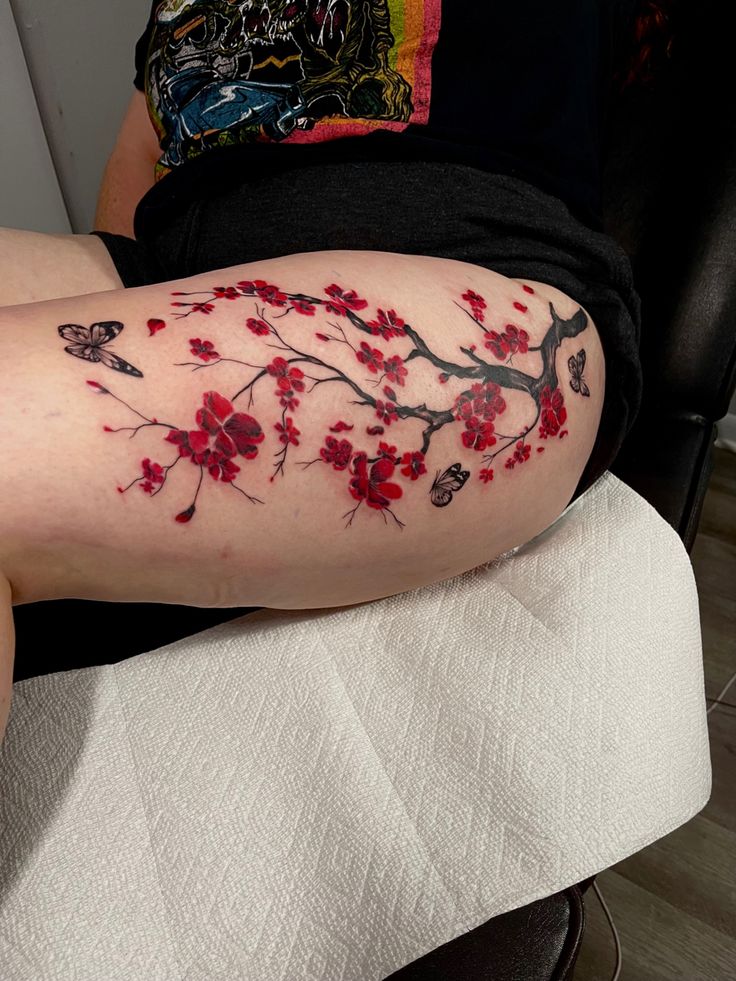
36	266
314	430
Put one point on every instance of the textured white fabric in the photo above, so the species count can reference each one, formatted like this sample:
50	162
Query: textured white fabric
331	794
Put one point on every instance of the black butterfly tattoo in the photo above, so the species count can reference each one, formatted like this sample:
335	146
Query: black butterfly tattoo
576	366
87	343
449	483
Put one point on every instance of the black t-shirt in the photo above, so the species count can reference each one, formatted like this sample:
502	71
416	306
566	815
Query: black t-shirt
516	87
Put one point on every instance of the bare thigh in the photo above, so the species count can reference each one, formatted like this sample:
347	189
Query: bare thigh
35	266
314	430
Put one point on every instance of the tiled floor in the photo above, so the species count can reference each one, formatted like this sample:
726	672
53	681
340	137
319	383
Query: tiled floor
674	903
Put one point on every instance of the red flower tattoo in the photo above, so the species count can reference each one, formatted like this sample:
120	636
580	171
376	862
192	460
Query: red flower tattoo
225	292
395	370
388	325
371	357
343	300
203	349
265	291
223	434
289	380
386	411
336	452
288	432
303	307
553	412
477	304
259	328
374	487
512	340
412	465
234	432
521	453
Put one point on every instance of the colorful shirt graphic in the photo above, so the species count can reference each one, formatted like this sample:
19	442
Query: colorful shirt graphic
225	72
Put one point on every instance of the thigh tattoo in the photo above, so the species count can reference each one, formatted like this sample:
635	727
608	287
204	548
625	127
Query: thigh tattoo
227	436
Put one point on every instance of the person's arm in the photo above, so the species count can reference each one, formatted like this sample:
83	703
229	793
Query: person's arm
130	170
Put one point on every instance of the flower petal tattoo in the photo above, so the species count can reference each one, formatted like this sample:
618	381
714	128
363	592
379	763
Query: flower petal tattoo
225	440
87	343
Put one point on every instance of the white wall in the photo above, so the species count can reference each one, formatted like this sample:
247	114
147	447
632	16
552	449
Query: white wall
30	196
80	60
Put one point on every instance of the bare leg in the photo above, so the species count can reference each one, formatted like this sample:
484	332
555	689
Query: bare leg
358	424
323	429
37	267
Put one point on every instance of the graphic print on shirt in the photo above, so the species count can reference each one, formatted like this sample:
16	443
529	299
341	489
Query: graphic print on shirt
222	72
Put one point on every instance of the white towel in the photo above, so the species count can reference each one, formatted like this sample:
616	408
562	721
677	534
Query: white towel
331	794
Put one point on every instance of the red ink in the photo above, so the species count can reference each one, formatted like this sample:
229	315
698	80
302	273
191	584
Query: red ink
223	433
374	487
338	453
386	411
345	299
257	326
521	454
203	349
225	292
512	340
553	412
154	324
288	433
394	369
412	464
388	325
371	357
302	306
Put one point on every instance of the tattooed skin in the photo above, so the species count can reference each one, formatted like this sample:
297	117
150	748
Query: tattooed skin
87	343
451	481
576	366
225	436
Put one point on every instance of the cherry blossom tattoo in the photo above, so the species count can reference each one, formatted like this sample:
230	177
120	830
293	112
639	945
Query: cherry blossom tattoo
87	343
226	437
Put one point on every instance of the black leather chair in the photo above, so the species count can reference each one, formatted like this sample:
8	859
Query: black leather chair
670	200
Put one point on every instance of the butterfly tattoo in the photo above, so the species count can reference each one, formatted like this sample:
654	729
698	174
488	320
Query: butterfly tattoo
87	343
576	365
448	484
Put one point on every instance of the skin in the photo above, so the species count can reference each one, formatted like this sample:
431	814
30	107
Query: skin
67	531
287	532
72	533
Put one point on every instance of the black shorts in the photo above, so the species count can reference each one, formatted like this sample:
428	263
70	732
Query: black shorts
415	207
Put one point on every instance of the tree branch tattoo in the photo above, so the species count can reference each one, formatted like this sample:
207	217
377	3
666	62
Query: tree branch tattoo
226	436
